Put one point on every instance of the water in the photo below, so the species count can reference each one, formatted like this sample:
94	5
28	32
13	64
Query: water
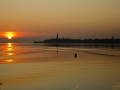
39	67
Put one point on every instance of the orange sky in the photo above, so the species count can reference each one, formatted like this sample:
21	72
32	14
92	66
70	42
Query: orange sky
70	18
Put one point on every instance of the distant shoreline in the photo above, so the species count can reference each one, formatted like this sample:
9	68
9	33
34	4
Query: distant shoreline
67	40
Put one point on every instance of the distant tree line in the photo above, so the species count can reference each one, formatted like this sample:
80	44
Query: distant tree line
67	40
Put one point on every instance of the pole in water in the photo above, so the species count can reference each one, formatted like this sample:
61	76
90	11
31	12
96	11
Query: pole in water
75	55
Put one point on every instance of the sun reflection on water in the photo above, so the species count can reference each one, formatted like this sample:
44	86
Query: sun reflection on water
10	54
9	47
9	44
9	61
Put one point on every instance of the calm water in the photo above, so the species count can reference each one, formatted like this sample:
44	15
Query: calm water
38	67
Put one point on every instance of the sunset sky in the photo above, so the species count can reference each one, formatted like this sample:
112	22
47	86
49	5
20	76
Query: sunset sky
42	19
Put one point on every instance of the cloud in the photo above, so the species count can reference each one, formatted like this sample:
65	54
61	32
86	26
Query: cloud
102	11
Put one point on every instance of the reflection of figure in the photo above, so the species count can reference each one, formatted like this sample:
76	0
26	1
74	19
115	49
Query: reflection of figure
57	40
75	55
57	52
112	42
57	44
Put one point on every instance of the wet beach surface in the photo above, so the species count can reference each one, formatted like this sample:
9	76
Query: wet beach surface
38	67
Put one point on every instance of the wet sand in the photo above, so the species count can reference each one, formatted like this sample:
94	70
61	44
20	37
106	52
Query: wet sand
34	67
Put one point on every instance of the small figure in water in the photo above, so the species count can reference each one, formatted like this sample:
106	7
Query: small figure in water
75	55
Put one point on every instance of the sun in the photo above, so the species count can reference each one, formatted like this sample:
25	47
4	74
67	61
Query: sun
9	35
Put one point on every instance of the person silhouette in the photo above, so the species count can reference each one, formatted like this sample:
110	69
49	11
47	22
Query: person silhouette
75	55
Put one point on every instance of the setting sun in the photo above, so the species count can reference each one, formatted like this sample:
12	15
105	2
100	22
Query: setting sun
9	35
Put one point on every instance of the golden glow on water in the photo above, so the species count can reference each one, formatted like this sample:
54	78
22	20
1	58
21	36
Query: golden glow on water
41	69
9	61
10	54
9	44
9	47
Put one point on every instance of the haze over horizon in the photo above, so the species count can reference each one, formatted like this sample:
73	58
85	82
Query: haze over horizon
42	19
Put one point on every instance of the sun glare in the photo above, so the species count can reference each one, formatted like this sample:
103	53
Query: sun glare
9	35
